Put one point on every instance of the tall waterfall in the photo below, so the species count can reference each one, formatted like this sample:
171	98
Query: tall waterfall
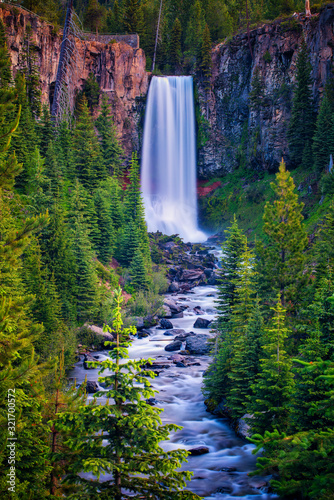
169	158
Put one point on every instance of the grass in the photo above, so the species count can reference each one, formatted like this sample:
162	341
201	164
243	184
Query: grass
245	193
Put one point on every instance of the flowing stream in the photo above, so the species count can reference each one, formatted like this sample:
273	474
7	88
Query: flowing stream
168	174
220	474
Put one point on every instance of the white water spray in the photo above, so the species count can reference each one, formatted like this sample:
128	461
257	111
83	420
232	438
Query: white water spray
169	159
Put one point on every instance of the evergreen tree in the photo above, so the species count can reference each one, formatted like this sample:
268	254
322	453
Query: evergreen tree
281	262
206	61
195	29
272	391
138	272
46	131
111	150
301	125
106	230
130	16
323	137
88	159
175	52
324	248
132	429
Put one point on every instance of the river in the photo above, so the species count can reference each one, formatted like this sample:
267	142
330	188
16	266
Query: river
220	474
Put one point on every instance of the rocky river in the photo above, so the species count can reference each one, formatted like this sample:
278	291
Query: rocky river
220	460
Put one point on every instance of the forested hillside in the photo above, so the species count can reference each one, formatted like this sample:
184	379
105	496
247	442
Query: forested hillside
183	39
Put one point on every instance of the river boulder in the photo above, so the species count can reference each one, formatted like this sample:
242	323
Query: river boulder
174	346
91	386
202	323
173	287
199	450
198	344
243	428
165	324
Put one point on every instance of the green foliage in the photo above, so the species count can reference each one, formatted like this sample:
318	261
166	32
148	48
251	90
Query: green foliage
301	126
132	430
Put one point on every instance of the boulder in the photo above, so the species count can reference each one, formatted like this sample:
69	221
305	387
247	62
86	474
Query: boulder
202	323
167	313
91	386
88	357
150	320
179	364
208	272
178	315
143	333
172	305
169	333
139	323
212	280
198	310
184	335
173	287
177	358
177	331
198	344
191	274
174	346
199	450
152	401
165	324
243	429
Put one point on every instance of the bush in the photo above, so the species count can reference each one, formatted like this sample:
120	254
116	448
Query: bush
88	338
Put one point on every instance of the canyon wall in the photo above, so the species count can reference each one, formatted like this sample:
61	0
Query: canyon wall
234	134
118	67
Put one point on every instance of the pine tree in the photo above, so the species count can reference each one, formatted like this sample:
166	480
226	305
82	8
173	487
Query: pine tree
232	250
323	137
272	391
88	159
46	131
324	248
138	272
132	429
301	127
130	16
195	29
106	230
281	261
111	150
175	52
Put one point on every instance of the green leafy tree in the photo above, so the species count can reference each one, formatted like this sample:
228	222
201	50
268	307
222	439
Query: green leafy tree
132	430
301	126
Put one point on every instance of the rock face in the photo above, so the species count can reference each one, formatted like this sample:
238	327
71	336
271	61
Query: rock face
236	132
118	67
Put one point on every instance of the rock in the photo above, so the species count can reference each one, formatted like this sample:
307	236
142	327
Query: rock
173	287
177	331
228	469
224	489
167	313
178	315
191	275
213	280
175	309
174	346
184	336
169	333
150	320
198	310
159	365
242	428
208	272
198	344
144	333
91	386
258	483
165	324
177	358
202	323
199	450
139	323
179	364
87	358
152	401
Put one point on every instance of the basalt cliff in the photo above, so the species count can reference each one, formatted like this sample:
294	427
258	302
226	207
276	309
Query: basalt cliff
231	131
119	66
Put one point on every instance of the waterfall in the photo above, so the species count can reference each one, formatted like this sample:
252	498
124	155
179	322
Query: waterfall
168	176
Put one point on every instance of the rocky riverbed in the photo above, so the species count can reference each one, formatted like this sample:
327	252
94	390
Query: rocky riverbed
219	459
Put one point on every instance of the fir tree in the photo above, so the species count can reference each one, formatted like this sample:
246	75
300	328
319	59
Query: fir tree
175	52
88	159
138	272
281	262
130	16
272	391
111	150
301	125
132	429
323	137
